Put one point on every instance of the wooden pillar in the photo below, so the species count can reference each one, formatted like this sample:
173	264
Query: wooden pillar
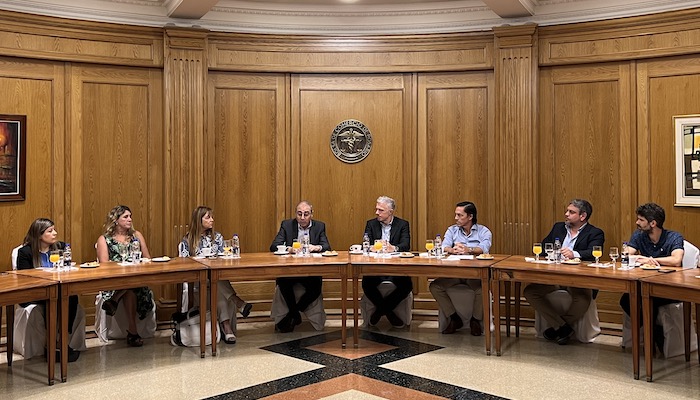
185	175
516	137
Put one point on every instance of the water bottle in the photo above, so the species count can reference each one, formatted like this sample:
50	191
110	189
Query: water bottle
624	256
557	251
135	251
365	245
305	251
236	246
67	256
438	246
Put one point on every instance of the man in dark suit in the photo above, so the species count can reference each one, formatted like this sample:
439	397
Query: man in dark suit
397	234
578	237
290	230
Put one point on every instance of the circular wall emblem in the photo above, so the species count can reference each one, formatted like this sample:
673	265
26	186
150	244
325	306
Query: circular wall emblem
351	141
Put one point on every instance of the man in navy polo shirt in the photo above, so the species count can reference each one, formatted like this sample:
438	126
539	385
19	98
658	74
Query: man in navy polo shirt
658	246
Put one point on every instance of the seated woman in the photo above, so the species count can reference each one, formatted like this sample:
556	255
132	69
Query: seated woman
201	236
118	232
41	239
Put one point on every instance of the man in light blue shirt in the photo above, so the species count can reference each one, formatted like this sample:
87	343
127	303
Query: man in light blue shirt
464	237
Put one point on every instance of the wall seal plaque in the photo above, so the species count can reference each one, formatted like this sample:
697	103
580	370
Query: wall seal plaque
351	141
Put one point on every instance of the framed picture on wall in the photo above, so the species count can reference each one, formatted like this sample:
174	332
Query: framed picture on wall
687	131
13	152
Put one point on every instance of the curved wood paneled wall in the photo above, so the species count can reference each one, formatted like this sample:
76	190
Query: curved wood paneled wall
518	120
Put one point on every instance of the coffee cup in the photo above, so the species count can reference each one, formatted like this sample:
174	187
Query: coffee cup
282	248
633	261
356	248
206	252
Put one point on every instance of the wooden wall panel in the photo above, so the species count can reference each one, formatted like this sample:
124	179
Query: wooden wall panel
117	152
247	134
585	121
34	36
666	88
456	149
344	194
35	89
313	54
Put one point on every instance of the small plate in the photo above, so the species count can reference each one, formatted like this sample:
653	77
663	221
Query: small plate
160	259
406	255
329	253
356	253
569	262
90	265
281	254
484	258
650	267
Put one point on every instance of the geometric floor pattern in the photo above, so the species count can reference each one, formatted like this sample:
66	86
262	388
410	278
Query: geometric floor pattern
362	373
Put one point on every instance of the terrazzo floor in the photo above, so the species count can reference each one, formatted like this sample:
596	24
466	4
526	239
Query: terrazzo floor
410	363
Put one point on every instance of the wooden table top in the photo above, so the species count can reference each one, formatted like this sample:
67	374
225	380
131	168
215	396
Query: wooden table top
111	269
688	278
11	282
256	260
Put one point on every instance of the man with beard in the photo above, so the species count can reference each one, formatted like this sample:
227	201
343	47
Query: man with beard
578	238
656	246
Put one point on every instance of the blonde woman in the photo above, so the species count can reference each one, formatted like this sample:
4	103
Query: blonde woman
201	236
117	233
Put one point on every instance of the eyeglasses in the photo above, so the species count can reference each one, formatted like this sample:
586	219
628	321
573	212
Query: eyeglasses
304	214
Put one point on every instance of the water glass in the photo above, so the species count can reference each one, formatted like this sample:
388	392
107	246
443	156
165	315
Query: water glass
614	254
549	249
123	252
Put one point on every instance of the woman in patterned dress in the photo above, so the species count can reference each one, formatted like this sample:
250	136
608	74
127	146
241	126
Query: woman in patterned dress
116	233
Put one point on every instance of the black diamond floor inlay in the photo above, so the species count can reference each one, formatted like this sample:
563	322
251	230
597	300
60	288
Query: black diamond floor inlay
369	366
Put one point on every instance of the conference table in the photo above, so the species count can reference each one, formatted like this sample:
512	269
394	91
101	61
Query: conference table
16	289
427	267
268	266
681	285
517	269
113	276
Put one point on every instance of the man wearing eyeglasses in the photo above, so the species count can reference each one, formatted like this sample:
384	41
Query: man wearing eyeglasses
290	230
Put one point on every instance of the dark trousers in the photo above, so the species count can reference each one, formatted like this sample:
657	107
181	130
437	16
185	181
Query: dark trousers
658	302
370	285
312	286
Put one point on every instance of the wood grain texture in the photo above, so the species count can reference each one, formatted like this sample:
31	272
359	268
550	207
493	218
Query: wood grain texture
33	36
246	128
35	89
344	195
351	54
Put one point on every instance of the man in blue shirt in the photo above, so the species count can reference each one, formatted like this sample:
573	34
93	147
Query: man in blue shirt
657	246
464	237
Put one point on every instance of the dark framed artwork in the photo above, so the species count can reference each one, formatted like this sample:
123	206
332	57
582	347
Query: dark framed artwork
13	156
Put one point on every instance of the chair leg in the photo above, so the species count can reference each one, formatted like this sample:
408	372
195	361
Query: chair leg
517	308
697	328
10	321
686	329
506	295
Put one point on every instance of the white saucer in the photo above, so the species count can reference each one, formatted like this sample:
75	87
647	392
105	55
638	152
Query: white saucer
356	253
281	254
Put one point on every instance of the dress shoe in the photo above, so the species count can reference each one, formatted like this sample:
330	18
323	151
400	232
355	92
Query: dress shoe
475	327
394	319
550	334
374	318
452	326
245	311
564	333
296	318
285	325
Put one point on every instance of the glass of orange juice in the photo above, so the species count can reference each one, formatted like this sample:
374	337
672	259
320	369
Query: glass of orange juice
296	246
378	245
537	249
55	257
597	252
430	245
